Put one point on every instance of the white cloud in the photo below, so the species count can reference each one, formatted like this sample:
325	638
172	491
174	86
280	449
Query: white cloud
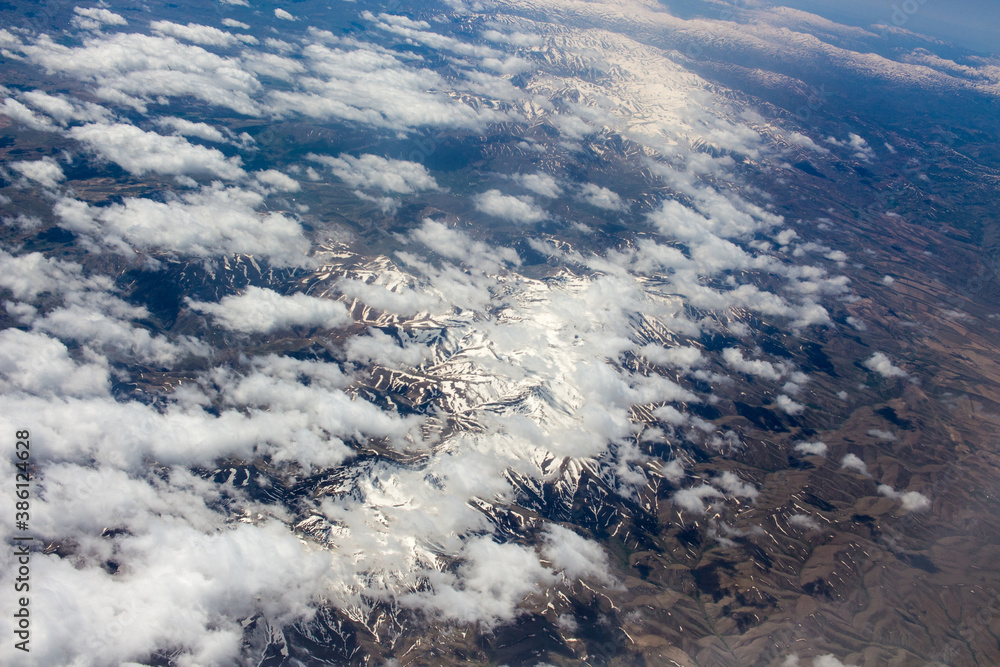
284	15
141	152
93	18
260	310
880	363
803	521
400	300
193	32
131	69
540	183
22	114
36	363
372	171
380	348
734	486
514	209
516	38
694	499
789	406
577	557
829	660
277	180
601	197
814	448
491	581
209	223
676	357
63	109
457	245
862	150
852	462
757	367
192	129
46	172
912	501
233	23
882	434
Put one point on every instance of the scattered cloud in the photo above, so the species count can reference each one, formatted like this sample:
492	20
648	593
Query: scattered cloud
602	197
195	33
94	18
384	350
374	172
260	310
852	462
46	172
141	152
880	363
757	367
189	128
211	222
788	405
912	501
803	521
815	448
540	183
514	209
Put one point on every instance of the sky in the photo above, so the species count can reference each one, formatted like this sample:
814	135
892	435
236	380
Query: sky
973	24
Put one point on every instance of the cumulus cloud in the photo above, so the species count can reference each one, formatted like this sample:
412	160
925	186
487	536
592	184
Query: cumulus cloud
491	581
192	129
457	245
46	172
277	180
260	310
94	18
379	173
540	183
361	83
677	357
211	222
814	448
734	486
19	112
37	363
382	349
880	363
862	150
283	14
602	197
912	501
193	32
132	69
852	462
513	209
734	359
141	152
399	300
577	557
64	109
694	499
789	406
